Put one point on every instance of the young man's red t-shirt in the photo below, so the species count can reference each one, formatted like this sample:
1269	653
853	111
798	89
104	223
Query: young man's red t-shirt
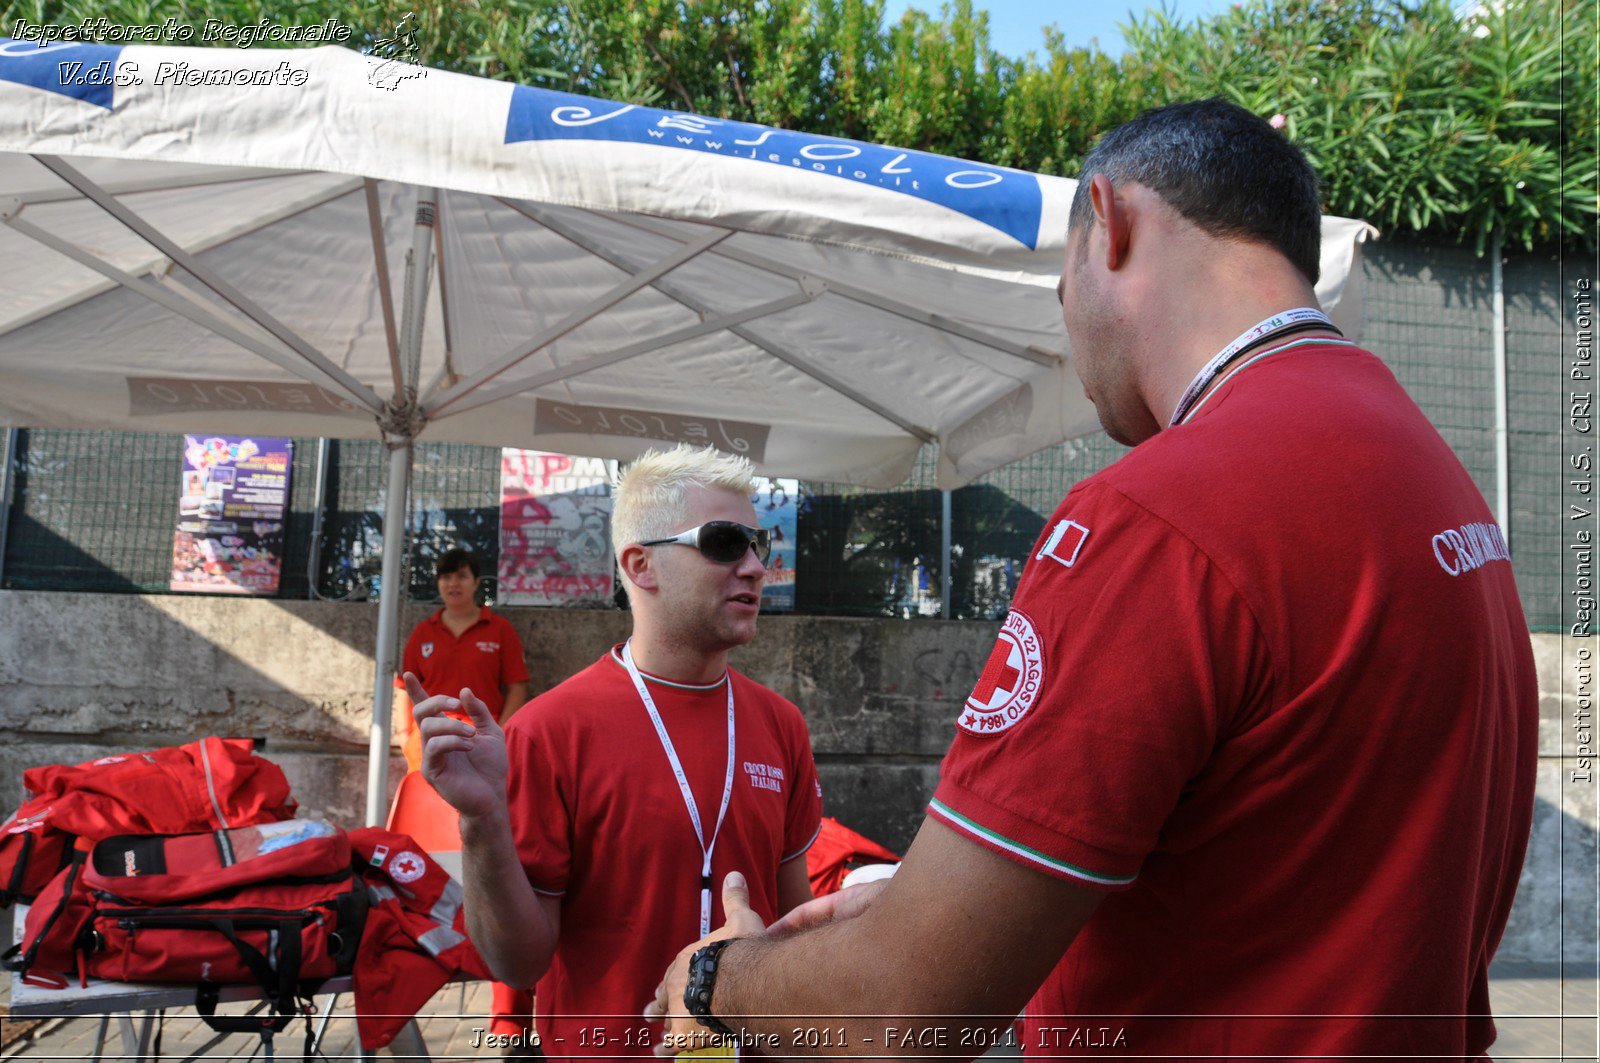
600	822
1266	681
486	656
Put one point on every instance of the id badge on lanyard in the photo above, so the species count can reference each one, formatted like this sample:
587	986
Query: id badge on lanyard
706	847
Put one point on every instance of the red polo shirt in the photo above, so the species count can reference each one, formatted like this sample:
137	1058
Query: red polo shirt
1266	680
486	656
600	822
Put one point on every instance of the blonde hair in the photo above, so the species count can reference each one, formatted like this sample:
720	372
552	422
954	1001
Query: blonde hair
651	497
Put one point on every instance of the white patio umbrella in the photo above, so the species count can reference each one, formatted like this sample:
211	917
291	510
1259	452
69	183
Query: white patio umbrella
210	240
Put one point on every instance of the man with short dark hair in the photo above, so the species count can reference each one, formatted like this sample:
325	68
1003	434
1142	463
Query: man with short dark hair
1250	770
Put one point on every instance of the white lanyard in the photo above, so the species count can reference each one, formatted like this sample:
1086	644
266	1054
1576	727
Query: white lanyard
1314	341
683	781
1249	337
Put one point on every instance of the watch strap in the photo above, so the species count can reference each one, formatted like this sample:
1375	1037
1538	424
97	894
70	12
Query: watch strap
702	983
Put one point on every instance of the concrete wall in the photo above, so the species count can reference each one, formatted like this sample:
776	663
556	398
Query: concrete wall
1557	913
84	674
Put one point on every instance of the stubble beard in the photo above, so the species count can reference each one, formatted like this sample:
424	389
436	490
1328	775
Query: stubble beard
705	633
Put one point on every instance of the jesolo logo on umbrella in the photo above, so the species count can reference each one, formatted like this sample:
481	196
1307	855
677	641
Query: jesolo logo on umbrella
1011	679
85	72
1006	200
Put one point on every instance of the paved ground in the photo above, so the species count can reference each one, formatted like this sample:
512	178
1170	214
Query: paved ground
1528	1005
1541	1015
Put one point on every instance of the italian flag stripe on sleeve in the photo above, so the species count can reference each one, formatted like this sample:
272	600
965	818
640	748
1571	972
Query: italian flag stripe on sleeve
955	819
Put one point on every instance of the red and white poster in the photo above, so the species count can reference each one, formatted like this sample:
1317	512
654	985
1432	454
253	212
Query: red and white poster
555	529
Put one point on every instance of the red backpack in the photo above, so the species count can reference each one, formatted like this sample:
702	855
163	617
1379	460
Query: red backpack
837	851
211	783
276	905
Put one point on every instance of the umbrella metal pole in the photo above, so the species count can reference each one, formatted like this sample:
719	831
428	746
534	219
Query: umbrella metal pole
407	360
391	595
12	435
1502	449
944	555
314	561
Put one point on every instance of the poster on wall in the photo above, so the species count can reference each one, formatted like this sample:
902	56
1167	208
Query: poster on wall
777	503
555	529
232	506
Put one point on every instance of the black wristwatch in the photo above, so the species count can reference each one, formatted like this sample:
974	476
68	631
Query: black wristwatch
702	983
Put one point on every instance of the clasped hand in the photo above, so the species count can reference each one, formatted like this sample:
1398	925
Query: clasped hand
682	1032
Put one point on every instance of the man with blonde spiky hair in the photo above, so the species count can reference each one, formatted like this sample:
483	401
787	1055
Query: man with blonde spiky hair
595	824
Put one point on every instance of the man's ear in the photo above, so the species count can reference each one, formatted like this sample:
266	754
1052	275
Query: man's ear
638	567
1111	211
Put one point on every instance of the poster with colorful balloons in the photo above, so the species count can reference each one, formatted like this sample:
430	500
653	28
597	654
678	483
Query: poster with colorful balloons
777	503
555	529
232	505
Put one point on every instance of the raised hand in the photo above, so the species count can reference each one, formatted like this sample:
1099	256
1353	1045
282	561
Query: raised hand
465	761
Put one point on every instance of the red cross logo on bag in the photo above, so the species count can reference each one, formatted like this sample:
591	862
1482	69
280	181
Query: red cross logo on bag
407	867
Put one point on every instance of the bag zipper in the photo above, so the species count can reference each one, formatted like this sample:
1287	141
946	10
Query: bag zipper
332	878
158	916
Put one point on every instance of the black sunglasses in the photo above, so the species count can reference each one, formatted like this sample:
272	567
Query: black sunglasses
723	541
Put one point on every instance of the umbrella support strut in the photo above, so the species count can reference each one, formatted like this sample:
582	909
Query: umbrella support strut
655	343
856	293
810	285
644	278
208	277
192	311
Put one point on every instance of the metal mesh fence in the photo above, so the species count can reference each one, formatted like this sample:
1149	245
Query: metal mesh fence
1534	412
455	501
877	553
94	511
1430	316
350	554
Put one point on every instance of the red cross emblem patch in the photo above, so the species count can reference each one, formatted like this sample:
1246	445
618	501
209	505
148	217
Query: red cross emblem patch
407	867
1010	682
